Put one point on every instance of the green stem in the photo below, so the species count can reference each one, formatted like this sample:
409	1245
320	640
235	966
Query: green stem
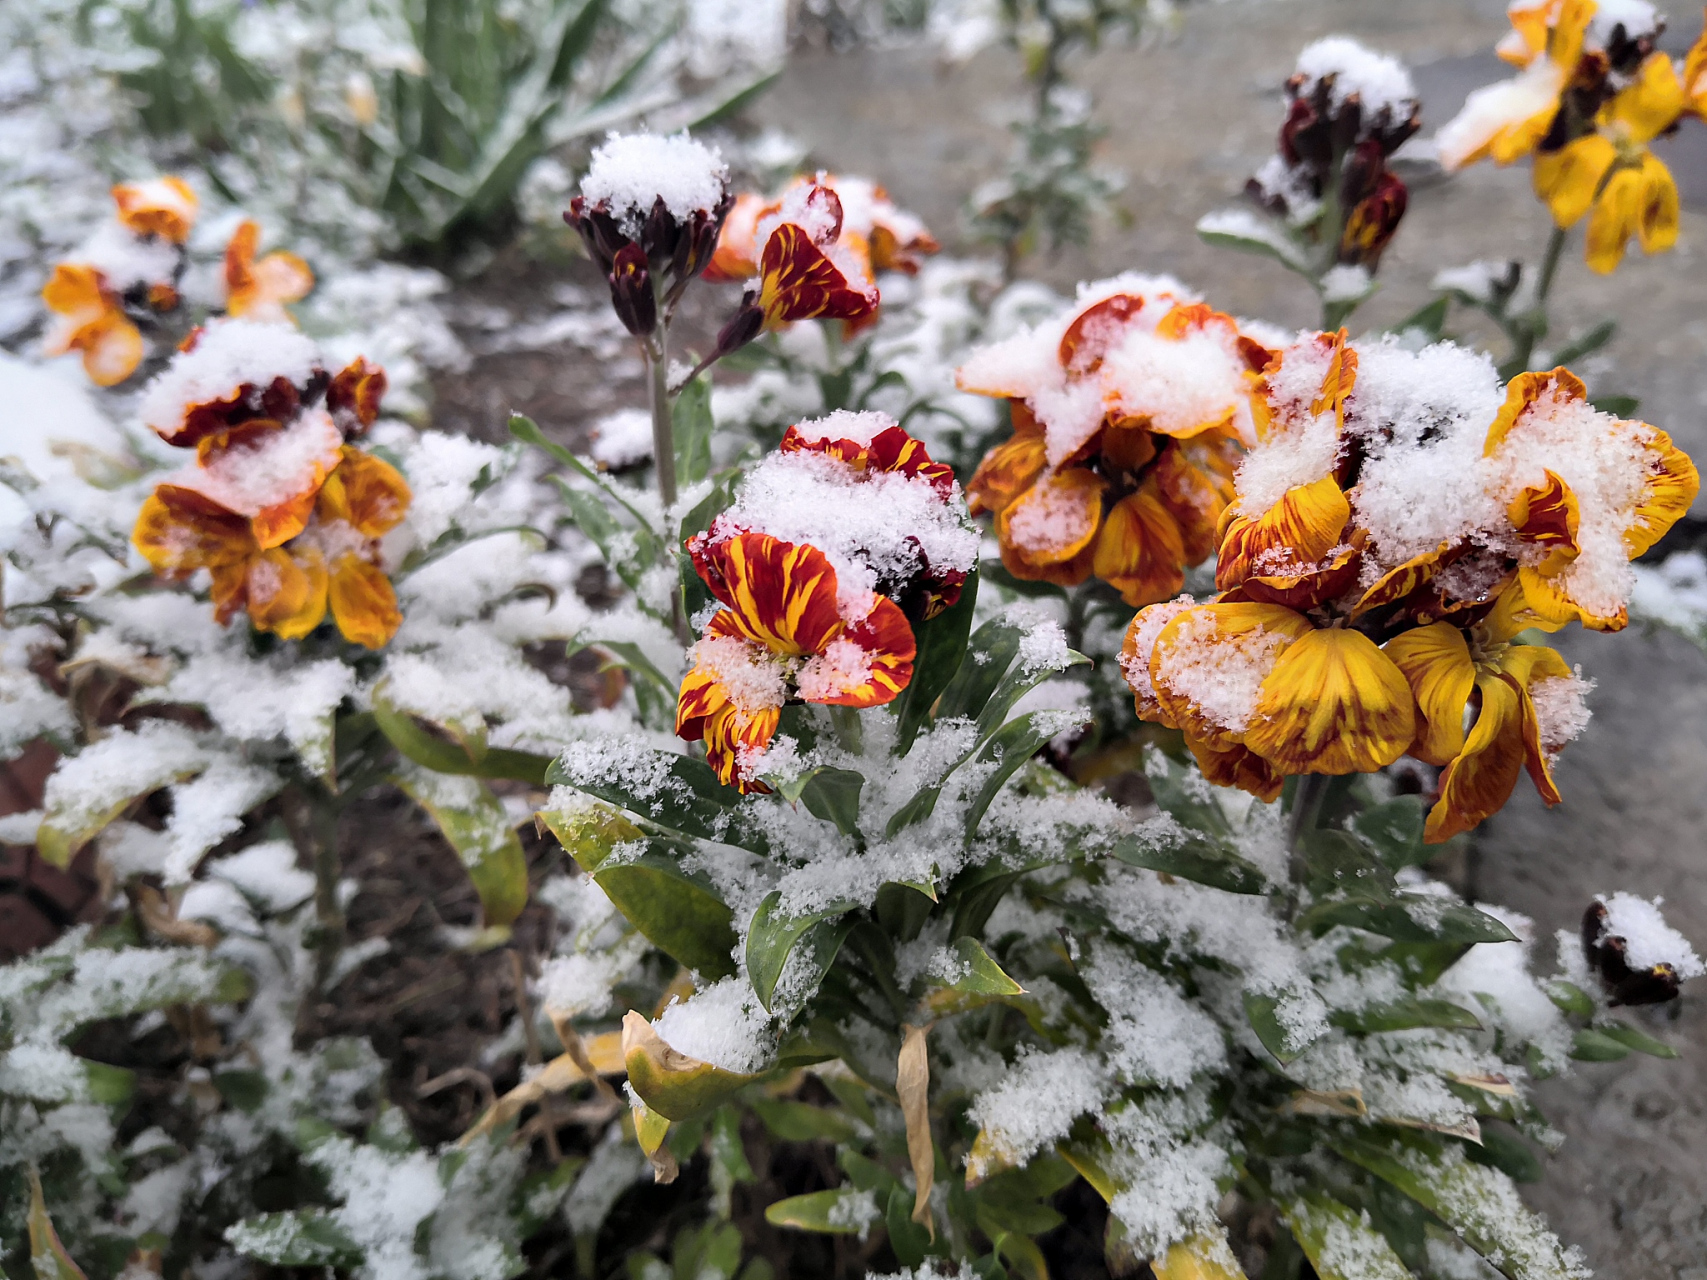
311	815
656	351
1531	327
1306	812
881	969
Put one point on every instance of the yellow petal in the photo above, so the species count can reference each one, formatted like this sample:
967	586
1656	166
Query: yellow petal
1651	104
1523	391
1617	213
1656	223
1055	519
1480	781
1140	552
363	603
1006	472
1672	485
287	593
1208	665
1567	179
1237	766
1549	599
1300	529
1436	663
1333	703
1199	1258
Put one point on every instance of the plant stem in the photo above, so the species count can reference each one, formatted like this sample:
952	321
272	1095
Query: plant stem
311	815
1306	811
657	354
656	351
1531	327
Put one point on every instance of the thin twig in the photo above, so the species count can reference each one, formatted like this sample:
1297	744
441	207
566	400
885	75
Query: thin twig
524	1011
460	1075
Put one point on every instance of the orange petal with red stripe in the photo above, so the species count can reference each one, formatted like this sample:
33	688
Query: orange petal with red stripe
801	282
1522	392
780	595
1436	664
364	604
1140	552
1296	532
867	665
1333	703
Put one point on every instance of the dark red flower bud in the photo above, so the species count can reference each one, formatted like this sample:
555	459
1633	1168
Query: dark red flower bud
741	328
631	290
1372	222
1607	955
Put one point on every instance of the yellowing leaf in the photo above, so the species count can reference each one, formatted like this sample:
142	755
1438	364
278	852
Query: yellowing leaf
912	1084
474	822
671	1083
1199	1258
47	1254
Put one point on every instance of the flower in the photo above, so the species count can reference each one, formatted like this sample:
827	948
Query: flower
808	269
1130	413
164	207
781	636
1591	96
89	318
1348	110
888	237
649	213
259	290
1395	530
283	514
860	490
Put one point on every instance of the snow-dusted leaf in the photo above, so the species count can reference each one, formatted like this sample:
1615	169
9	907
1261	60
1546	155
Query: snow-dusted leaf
1190	858
92	788
772	936
669	791
1341	1243
1481	1204
474	822
673	1084
1405	1015
1263	1013
1010	747
942	644
838	1211
1249	232
47	1255
295	1238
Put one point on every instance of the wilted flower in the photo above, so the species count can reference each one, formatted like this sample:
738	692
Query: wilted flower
126	272
259	290
1348	110
1395	530
649	213
1593	92
1637	955
282	513
1129	412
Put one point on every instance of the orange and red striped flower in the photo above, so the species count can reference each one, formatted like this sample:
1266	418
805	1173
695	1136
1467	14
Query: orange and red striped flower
781	636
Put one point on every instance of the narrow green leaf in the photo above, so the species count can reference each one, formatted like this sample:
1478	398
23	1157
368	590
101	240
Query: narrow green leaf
1184	795
475	824
678	913
297	1238
692	426
1636	1039
989	653
907	1238
1263	1014
1405	1014
981	975
110	1086
1590	342
1395	829
942	644
1009	748
47	1255
838	1211
686	799
1503	1150
1569	997
833	795
1430	318
772	936
802	1122
1340	1242
1198	860
1408	918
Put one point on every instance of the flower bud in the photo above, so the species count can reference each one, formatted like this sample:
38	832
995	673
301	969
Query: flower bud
631	291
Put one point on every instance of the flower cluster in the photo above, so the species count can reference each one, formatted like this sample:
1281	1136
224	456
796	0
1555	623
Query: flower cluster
1592	92
126	276
837	546
649	212
1397	528
128	271
277	506
1130	413
1348	110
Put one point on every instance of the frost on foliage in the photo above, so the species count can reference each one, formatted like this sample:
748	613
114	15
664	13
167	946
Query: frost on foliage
723	1024
1171	1176
1155	1034
615	1165
1036	1103
1494	979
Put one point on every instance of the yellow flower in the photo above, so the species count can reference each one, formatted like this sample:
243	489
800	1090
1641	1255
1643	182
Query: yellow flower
90	319
260	289
1508	120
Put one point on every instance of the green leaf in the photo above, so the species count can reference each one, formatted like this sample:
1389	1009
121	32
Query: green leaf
1395	830
109	1086
989	653
653	690
838	1211
1408	918
1262	1012
445	749
1633	1038
1569	997
772	936
1008	748
1019	1251
1198	860
677	911
47	1255
833	795
1503	1150
942	644
672	1085
296	1238
1019	681
244	1090
1357	1252
474	822
1588	344
982	976
1422	963
1405	1014
1256	235
692	426
907	1238
1430	318
1591	1045
1479	1203
1617	406
1185	795
802	1122
685	798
